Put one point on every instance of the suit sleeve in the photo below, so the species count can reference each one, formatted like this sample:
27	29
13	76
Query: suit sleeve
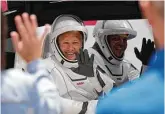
47	99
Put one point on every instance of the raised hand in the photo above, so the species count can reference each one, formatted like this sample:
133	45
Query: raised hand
26	42
85	64
147	50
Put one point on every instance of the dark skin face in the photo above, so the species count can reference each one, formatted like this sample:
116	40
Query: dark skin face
118	44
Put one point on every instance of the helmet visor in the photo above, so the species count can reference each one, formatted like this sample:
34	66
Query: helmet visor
120	31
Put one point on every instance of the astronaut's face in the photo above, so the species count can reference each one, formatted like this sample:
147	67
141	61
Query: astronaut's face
70	44
118	44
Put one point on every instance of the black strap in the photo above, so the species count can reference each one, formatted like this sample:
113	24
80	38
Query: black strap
84	108
100	69
141	71
100	79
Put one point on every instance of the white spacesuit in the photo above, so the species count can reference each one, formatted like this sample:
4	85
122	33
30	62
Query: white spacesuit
117	68
82	90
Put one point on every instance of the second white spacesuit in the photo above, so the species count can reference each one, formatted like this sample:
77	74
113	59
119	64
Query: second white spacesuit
117	68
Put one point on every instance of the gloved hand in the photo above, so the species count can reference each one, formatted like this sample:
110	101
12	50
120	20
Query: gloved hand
86	68
85	64
147	50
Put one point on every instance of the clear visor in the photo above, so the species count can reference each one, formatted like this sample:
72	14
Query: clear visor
120	31
57	32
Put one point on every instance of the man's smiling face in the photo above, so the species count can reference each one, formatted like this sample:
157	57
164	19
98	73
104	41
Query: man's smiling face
118	44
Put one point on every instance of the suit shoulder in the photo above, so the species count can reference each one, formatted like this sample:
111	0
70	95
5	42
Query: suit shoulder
126	61
129	64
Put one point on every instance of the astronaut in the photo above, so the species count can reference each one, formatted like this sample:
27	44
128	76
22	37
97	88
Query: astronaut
72	69
111	42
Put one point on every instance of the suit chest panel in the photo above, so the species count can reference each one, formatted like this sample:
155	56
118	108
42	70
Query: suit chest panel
117	73
75	86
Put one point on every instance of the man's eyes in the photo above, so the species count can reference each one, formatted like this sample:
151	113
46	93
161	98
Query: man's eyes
75	42
116	38
72	43
125	39
66	43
